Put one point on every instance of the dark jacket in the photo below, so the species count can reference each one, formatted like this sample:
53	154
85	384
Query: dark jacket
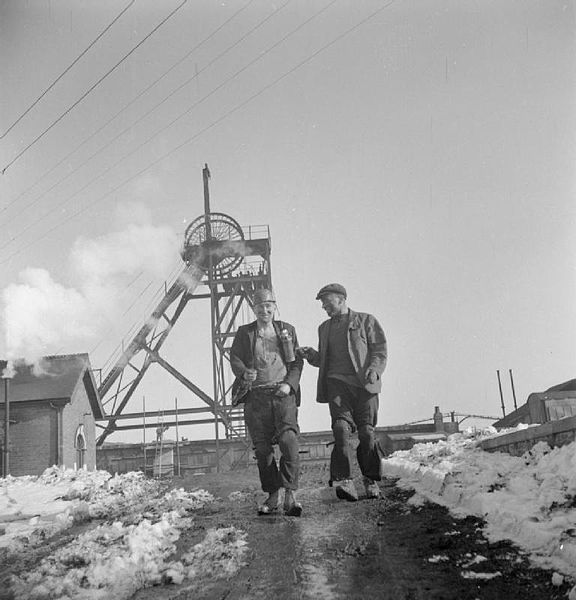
242	355
366	347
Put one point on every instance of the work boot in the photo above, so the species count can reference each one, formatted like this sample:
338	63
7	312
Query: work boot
270	505
291	507
371	487
346	490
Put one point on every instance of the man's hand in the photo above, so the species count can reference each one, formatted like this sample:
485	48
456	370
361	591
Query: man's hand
283	390
304	352
249	375
371	376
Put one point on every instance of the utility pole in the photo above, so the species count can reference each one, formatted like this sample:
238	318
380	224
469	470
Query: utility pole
501	395
206	177
513	390
177	470
6	459
144	432
213	306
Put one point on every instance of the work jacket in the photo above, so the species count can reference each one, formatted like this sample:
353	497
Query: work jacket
242	355
366	347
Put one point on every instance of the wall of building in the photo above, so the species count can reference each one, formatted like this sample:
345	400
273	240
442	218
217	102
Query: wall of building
200	456
33	438
541	407
77	413
554	433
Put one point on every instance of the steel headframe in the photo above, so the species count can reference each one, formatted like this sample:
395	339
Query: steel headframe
232	262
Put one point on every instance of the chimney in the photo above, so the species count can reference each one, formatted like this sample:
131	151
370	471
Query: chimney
438	421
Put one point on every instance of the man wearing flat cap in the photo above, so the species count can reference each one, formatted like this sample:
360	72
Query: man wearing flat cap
351	358
268	382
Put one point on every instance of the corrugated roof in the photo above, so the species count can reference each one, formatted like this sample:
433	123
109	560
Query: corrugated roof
55	377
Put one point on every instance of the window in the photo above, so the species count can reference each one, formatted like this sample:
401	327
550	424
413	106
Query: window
80	445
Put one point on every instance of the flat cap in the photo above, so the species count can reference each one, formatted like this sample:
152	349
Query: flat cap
331	288
263	295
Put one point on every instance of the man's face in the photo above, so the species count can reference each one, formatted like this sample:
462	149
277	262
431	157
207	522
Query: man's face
265	311
333	304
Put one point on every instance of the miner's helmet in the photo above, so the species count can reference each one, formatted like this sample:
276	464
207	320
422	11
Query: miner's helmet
263	295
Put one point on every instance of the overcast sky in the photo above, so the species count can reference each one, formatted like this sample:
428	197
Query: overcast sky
420	153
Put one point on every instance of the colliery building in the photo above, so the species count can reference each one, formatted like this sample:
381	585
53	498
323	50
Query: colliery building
168	457
51	416
54	407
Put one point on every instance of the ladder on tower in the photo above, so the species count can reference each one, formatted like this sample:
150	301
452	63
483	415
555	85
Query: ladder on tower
159	450
236	416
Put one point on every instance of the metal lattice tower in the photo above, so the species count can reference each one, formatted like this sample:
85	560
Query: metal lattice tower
225	263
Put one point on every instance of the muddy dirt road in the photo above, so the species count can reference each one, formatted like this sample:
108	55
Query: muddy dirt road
380	549
371	549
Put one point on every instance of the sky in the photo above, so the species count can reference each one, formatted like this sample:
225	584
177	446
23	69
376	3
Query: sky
421	154
526	499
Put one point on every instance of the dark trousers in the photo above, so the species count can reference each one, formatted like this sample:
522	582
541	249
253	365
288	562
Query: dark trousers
273	420
353	409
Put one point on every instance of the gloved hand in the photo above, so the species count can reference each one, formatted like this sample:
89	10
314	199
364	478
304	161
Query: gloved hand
283	390
249	375
371	376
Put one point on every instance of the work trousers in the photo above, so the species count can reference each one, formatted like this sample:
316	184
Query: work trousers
274	420
353	409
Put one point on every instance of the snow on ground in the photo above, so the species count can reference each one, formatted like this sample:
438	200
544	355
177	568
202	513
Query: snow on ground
530	500
132	546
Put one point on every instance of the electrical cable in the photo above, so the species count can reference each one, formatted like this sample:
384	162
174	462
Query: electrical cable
113	326
204	130
136	326
65	71
140	119
136	299
180	116
109	72
128	285
149	87
126	289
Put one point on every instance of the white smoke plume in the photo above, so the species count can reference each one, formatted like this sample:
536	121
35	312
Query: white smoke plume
104	263
40	316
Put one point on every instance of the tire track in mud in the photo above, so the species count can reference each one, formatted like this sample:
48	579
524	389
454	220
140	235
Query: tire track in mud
308	558
378	549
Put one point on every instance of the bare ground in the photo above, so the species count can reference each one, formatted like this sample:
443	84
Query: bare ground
378	549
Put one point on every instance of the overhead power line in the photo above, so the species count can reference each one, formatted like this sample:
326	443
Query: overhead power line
202	131
109	72
146	89
65	71
41	217
187	82
145	313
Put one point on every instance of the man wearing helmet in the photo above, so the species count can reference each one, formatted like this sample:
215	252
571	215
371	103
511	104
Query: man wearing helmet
268	373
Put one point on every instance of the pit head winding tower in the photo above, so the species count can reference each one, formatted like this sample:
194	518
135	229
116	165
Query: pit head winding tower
224	263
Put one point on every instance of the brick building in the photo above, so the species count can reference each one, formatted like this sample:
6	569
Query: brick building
51	415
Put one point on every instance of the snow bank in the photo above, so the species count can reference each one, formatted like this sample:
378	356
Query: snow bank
529	500
132	547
